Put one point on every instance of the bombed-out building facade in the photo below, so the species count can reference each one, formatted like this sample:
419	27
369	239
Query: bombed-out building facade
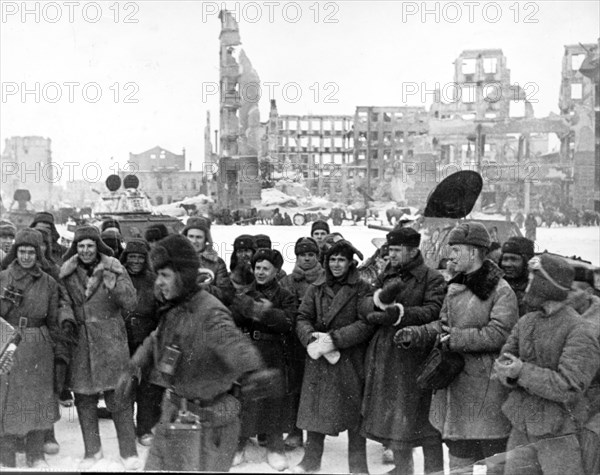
480	120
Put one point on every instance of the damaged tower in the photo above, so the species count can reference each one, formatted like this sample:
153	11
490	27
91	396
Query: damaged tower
579	102
239	178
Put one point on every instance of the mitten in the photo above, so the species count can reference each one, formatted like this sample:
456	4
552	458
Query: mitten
332	357
391	316
390	291
109	278
205	276
404	337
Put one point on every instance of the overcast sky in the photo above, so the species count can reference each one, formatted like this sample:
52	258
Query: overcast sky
152	60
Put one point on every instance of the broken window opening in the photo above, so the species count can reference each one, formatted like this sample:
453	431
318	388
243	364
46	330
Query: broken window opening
576	61
576	91
469	93
490	65
387	117
374	116
469	65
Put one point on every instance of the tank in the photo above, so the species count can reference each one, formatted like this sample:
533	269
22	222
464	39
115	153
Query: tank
21	210
131	207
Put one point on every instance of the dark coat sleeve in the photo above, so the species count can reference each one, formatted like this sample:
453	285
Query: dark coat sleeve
429	310
222	288
123	292
578	363
226	340
307	316
357	332
280	318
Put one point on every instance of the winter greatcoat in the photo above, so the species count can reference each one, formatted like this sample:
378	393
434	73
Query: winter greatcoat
560	355
271	336
332	394
27	399
96	303
481	310
393	406
297	283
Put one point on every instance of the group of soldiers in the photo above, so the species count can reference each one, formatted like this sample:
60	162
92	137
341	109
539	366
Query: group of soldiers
211	357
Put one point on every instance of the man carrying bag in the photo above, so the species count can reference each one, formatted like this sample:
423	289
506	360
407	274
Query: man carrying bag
197	354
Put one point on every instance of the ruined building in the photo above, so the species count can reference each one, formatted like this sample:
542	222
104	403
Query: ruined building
310	148
579	104
240	129
26	162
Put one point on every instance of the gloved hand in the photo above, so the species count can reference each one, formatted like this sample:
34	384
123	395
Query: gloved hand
391	315
205	276
390	291
260	307
507	369
321	345
404	338
109	278
60	376
261	384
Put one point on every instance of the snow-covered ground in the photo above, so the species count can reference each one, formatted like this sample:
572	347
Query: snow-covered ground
584	242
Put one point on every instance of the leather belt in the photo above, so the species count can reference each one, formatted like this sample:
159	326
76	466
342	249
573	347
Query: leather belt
26	322
256	335
193	405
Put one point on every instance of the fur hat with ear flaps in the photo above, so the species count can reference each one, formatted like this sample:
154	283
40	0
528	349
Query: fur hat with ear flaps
176	251
87	232
26	237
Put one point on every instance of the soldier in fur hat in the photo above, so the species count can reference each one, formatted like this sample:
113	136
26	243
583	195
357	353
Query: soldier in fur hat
29	301
196	354
212	271
397	415
516	253
476	318
266	314
98	290
335	338
45	220
548	362
140	322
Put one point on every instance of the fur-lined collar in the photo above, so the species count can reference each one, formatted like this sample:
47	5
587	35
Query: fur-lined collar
101	272
481	282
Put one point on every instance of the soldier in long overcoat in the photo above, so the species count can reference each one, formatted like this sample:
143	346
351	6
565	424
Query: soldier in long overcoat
266	313
336	339
395	410
139	323
98	290
307	271
29	302
476	318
